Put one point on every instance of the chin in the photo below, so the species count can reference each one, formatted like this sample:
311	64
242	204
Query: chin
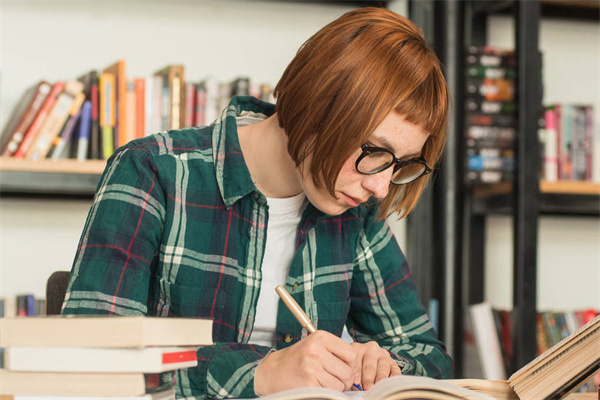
331	208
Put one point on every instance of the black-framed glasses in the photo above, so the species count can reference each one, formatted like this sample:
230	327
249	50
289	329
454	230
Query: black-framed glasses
376	159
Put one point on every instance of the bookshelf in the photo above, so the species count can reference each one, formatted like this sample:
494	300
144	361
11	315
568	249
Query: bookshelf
451	217
58	178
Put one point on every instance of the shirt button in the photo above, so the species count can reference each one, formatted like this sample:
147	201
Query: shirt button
288	337
295	286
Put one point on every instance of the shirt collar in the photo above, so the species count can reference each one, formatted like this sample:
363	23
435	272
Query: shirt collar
233	176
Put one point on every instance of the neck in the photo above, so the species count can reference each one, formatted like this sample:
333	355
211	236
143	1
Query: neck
273	171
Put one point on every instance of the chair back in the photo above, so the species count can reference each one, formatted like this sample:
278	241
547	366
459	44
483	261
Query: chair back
56	288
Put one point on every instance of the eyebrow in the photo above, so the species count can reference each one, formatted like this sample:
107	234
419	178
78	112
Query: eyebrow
386	144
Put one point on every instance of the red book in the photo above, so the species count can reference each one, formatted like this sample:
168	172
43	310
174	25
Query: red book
37	122
82	359
34	99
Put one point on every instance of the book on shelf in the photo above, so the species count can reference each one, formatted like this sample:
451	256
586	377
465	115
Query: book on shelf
92	359
490	122
568	142
35	126
121	135
98	385
57	149
172	96
563	367
56	119
107	108
105	331
85	129
91	82
22	117
168	394
409	387
487	341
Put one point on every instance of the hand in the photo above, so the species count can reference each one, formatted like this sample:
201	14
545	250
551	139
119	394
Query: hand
322	359
374	363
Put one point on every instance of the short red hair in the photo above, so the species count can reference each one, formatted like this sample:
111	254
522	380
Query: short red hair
346	79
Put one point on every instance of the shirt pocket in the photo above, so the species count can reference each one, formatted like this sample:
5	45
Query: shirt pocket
332	316
195	302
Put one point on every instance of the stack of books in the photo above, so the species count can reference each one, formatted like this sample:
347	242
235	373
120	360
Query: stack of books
490	114
91	116
98	356
569	142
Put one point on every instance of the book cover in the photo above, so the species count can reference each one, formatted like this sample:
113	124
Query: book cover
22	117
190	95
34	128
84	136
168	394
131	116
173	96
550	147
488	344
60	141
104	331
90	82
120	133
83	384
83	359
54	121
107	107
562	368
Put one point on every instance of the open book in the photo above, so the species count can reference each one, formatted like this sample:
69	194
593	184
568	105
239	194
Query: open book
409	387
563	367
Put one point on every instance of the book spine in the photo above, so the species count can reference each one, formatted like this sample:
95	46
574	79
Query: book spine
490	89
84	131
140	107
26	120
33	130
63	138
550	146
156	101
589	143
54	121
107	113
190	92
131	116
95	145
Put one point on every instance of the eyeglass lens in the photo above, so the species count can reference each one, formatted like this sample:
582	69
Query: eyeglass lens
379	160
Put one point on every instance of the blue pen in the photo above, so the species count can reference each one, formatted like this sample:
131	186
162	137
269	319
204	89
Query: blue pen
357	386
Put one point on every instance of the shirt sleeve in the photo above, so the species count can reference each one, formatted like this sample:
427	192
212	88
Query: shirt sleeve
385	305
114	263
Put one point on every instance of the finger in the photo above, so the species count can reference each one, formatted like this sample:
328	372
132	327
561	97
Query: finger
342	349
383	369
327	380
369	369
395	369
339	369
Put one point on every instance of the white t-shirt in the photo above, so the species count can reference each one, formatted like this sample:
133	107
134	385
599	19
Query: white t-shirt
284	217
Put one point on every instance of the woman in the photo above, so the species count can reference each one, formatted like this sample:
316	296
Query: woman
207	221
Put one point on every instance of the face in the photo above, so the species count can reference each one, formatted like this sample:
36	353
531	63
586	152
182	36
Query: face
403	138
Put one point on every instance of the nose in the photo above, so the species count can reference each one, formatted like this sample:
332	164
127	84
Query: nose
378	184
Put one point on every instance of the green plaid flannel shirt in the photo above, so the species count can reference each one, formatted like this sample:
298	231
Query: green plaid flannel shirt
178	229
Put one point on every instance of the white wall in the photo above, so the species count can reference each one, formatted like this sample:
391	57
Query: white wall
64	39
569	247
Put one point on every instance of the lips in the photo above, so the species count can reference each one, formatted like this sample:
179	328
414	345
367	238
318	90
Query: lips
353	202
